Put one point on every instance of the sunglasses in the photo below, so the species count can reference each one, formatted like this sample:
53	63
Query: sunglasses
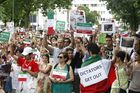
60	57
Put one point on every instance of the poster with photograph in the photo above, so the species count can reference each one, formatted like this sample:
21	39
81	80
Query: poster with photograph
108	28
127	42
76	16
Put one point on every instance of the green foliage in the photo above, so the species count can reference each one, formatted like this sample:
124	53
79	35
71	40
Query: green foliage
20	10
2	15
127	11
1	1
91	16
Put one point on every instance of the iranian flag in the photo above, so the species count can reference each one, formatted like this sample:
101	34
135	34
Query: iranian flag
125	34
22	77
103	85
85	28
50	22
59	74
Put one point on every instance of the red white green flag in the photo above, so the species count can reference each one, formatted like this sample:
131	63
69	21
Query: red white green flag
50	22
22	77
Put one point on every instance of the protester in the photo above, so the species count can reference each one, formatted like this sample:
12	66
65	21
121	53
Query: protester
109	47
121	82
102	52
67	42
29	68
55	50
43	76
75	60
133	70
102	86
136	45
53	41
62	83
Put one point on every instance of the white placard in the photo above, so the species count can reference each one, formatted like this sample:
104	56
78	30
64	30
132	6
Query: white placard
93	73
108	28
10	26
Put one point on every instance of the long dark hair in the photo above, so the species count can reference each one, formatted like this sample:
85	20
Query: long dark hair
47	55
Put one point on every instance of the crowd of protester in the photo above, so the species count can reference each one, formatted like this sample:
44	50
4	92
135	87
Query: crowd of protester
29	61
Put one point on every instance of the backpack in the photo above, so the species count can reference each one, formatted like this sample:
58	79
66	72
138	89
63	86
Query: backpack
68	66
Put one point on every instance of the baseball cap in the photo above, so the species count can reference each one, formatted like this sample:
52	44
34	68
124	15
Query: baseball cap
26	51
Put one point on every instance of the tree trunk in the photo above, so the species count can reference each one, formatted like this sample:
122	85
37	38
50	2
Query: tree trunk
26	20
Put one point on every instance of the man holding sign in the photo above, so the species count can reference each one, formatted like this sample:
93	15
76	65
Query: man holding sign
96	75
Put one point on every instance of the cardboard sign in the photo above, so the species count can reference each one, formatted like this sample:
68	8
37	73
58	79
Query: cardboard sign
4	37
108	28
85	28
127	42
10	26
76	16
59	74
92	74
60	25
102	38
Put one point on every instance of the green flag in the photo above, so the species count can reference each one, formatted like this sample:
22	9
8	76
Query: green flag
90	60
50	14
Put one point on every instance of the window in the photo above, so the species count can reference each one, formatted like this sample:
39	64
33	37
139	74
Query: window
94	5
102	19
102	12
32	18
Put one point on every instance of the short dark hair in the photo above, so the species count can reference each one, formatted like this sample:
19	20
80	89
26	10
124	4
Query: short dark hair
93	47
69	49
122	54
108	36
53	37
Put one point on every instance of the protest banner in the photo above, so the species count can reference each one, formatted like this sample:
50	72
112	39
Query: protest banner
4	37
60	25
102	38
108	28
85	28
93	73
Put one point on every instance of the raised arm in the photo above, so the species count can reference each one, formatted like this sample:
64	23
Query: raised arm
46	45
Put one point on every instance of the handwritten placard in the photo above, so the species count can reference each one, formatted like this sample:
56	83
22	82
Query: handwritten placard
92	74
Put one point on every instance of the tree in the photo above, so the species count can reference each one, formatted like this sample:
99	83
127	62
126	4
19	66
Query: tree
1	1
127	11
2	15
53	4
24	8
91	16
